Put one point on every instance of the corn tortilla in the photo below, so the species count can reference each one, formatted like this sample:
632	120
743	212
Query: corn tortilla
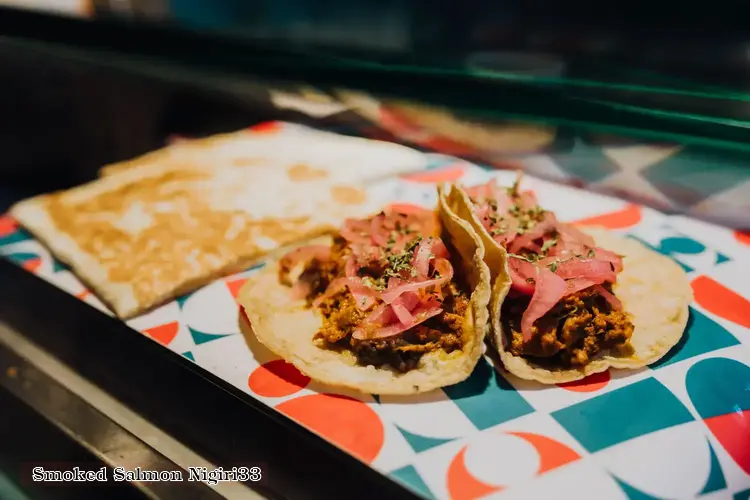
652	287
287	327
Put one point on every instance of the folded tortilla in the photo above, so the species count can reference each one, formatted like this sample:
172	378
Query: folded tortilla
287	327
653	289
144	235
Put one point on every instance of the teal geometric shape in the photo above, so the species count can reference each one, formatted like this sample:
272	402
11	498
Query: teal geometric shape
58	266
201	338
15	237
633	493
694	174
254	267
702	335
189	355
626	413
410	478
181	300
742	495
718	386
721	258
716	480
422	443
667	246
20	258
586	162
487	399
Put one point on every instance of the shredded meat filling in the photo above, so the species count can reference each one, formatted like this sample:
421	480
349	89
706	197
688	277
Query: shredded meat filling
341	317
578	328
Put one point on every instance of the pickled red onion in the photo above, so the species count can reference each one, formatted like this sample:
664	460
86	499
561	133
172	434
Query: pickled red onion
550	288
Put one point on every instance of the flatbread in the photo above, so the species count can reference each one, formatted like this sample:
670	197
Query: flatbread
652	287
359	159
287	327
484	136
143	235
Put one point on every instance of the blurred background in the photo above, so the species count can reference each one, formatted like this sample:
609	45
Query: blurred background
649	101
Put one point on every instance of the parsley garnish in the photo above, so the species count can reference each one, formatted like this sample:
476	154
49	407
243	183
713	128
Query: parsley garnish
548	244
553	266
591	253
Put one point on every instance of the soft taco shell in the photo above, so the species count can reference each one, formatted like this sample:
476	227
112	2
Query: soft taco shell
653	289
287	327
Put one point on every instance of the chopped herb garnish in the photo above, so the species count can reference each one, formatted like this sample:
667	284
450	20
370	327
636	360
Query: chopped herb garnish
591	253
522	257
548	244
554	265
530	280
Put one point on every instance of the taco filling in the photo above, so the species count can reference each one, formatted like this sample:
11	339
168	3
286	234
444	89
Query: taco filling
385	289
560	309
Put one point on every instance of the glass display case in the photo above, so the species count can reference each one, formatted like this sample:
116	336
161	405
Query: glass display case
653	123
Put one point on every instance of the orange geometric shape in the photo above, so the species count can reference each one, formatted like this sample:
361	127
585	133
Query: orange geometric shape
621	219
268	128
82	295
235	285
277	379
346	422
743	237
592	383
733	432
32	265
447	174
552	454
720	300
164	334
462	485
8	225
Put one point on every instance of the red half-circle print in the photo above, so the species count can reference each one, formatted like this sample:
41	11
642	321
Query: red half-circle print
552	454
346	422
743	237
234	286
32	265
621	219
445	174
721	301
592	383
269	128
733	432
8	225
164	334
462	485
277	379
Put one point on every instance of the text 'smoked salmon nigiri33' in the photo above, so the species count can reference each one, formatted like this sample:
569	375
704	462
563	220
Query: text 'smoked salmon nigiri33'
567	303
396	303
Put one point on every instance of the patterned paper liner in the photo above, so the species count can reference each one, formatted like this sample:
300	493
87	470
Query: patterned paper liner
679	429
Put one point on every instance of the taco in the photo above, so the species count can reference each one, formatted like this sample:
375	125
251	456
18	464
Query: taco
567	303
393	304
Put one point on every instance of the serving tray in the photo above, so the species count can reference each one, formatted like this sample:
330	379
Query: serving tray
679	429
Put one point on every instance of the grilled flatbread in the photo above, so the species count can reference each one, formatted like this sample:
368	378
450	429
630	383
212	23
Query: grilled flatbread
287	144
144	235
